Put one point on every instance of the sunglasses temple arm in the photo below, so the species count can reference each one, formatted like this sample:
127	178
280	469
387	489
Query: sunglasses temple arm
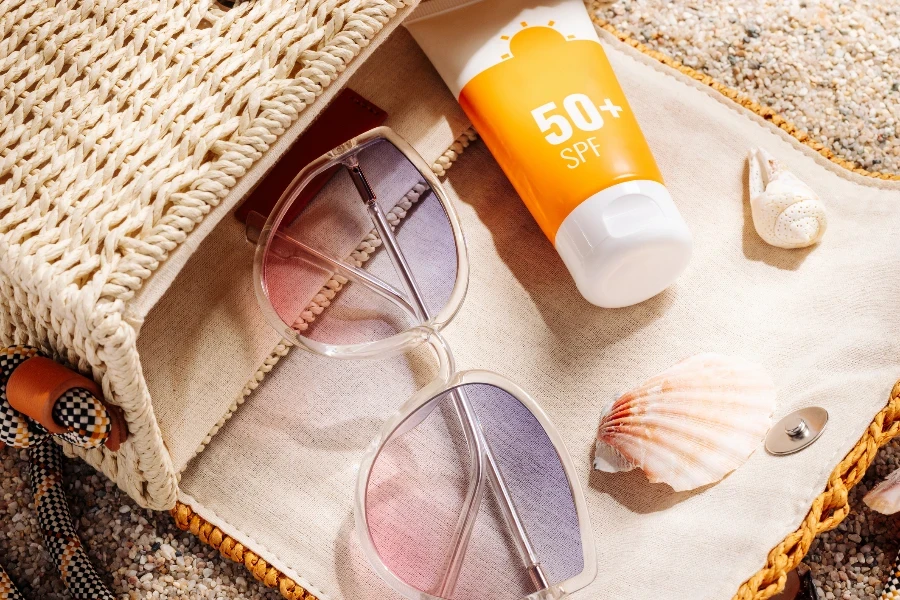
483	462
514	523
465	524
505	500
391	246
323	261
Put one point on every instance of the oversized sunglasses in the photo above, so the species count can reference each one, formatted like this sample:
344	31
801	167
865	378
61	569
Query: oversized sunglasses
468	491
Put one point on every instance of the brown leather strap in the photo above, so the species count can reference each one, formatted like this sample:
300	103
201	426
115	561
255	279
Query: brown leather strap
118	431
35	386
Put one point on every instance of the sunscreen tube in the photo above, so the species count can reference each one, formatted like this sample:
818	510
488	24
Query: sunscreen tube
537	85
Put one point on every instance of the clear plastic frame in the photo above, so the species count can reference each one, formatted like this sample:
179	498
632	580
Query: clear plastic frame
411	416
469	491
419	326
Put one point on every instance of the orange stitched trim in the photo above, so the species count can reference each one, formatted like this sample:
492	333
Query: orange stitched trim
828	509
766	113
188	520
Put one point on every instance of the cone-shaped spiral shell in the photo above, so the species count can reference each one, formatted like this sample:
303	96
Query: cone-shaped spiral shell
885	497
787	213
690	425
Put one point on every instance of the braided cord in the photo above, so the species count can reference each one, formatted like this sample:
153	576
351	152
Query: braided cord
892	587
16	430
60	539
85	417
89	425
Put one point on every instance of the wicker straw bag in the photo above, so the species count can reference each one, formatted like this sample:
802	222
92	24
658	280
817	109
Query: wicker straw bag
131	129
125	124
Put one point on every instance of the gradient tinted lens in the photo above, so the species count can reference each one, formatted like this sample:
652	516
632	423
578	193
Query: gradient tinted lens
420	484
315	297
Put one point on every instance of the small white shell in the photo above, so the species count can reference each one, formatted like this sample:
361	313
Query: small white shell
885	497
786	212
690	425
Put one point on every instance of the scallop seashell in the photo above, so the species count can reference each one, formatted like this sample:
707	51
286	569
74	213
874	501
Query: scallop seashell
786	212
885	497
690	425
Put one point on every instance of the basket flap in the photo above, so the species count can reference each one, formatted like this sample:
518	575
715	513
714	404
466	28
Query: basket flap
823	322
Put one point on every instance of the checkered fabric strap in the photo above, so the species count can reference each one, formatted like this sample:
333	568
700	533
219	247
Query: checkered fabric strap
60	538
86	419
892	587
8	591
16	429
87	423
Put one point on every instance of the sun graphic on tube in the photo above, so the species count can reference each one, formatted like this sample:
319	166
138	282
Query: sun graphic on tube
532	37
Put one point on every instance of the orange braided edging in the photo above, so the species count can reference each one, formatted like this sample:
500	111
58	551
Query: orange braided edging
763	111
828	509
187	520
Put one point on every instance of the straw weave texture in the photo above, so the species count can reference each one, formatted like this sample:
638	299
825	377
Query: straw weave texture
122	124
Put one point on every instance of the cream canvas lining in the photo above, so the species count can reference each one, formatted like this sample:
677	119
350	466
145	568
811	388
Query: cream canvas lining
226	337
287	457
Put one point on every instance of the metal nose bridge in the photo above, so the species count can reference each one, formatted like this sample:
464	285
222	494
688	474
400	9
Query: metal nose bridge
359	180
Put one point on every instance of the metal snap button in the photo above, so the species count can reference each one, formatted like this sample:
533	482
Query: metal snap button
796	431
